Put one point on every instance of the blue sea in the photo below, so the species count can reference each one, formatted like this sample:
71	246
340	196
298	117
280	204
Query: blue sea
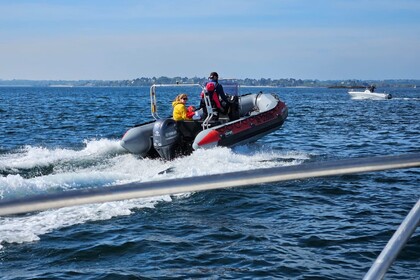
55	139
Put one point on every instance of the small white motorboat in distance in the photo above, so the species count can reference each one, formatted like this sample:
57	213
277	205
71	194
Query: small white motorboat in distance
369	94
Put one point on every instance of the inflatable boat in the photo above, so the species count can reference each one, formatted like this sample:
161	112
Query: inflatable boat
251	116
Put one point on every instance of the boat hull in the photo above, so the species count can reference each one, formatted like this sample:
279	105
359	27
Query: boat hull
367	94
244	130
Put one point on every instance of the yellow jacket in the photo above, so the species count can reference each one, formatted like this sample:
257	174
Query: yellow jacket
180	112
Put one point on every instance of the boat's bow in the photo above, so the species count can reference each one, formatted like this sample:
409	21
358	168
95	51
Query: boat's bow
267	115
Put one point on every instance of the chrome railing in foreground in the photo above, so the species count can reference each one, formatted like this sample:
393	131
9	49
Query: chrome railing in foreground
395	244
236	179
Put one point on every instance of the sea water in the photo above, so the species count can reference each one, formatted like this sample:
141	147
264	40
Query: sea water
59	139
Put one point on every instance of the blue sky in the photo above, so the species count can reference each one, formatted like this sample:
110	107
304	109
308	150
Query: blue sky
303	39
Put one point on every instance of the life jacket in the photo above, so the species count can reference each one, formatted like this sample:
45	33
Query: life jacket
214	97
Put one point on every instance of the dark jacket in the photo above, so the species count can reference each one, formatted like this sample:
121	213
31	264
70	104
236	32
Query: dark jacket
220	91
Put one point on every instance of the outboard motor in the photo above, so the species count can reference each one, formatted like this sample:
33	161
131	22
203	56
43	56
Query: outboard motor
233	108
165	137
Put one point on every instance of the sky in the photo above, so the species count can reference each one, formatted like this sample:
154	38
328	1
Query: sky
122	40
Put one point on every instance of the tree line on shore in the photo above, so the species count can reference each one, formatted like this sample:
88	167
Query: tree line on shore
285	82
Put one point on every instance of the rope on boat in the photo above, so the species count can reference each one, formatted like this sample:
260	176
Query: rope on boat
209	182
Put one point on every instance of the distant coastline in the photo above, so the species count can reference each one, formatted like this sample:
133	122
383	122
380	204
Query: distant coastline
289	82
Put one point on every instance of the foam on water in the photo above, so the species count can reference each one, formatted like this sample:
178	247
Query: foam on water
407	98
361	97
104	163
29	228
29	157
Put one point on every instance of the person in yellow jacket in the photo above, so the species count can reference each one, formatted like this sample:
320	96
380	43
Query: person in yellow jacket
180	112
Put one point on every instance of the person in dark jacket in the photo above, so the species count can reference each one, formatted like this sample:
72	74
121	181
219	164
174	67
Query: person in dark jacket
218	98
371	88
214	78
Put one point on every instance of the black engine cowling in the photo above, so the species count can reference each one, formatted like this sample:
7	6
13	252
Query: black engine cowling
233	111
165	138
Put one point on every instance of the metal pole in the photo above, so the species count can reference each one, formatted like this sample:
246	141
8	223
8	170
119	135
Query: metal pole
153	103
209	182
395	244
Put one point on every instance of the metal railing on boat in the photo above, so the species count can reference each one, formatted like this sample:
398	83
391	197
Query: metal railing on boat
237	179
153	103
395	244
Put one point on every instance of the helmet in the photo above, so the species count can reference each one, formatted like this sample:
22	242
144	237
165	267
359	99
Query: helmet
210	87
